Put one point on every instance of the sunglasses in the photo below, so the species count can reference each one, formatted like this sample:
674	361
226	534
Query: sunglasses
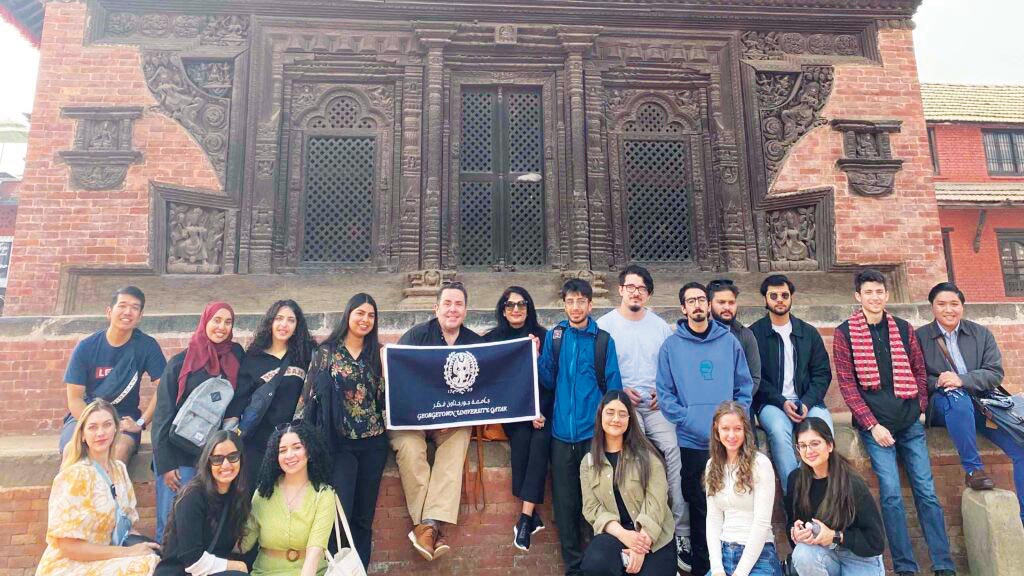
283	426
218	459
522	305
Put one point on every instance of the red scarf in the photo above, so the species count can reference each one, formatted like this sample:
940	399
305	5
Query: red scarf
903	383
202	353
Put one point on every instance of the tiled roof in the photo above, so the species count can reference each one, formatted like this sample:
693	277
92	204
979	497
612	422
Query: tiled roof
979	193
973	103
26	16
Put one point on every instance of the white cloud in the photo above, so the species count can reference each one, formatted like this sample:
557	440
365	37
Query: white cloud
970	41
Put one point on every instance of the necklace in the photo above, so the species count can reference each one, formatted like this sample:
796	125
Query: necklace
290	502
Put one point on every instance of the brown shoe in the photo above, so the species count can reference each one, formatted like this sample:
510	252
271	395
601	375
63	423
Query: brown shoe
978	480
423	538
441	546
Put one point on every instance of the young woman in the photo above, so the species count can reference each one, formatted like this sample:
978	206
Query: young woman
217	492
740	484
211	352
825	490
345	377
293	510
92	506
625	497
530	441
271	377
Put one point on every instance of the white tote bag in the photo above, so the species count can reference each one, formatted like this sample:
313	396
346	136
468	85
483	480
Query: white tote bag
346	562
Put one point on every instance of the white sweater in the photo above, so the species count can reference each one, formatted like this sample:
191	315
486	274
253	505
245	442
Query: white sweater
742	518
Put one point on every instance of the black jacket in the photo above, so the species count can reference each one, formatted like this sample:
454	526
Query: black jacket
812	374
429	334
166	455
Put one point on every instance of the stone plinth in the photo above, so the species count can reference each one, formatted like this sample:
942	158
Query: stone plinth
993	532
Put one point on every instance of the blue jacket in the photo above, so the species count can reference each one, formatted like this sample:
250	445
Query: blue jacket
576	393
695	376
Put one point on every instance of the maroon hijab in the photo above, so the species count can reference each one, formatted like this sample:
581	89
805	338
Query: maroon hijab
203	353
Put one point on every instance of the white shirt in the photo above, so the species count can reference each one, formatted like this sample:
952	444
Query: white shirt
637	343
742	518
788	388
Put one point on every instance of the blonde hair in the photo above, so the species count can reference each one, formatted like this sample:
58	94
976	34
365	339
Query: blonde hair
714	479
77	450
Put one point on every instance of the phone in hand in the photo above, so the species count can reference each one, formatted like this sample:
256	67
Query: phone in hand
815	528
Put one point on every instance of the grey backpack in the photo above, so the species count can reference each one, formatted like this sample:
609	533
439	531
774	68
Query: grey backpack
201	414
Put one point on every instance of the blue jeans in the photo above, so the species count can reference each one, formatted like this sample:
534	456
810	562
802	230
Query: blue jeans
767	563
912	450
811	560
779	429
165	498
964	424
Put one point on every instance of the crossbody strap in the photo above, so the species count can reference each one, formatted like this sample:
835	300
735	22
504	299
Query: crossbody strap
220	525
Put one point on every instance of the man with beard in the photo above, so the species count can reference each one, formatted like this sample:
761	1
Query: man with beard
700	366
795	373
639	333
723	293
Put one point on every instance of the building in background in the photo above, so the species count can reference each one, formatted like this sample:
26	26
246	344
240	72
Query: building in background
976	135
13	147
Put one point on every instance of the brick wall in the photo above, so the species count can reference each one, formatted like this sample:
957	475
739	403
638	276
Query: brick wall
961	152
979	274
903	227
57	226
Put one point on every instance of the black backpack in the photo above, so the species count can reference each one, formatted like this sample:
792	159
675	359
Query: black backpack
600	353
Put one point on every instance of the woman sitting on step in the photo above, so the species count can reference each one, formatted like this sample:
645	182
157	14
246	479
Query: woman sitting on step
836	524
92	507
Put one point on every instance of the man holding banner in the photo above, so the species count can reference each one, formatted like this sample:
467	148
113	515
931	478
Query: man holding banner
441	380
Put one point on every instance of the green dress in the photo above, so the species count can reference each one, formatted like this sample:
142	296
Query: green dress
273	526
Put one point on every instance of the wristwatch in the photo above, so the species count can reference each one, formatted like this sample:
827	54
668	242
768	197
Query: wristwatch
837	537
141	422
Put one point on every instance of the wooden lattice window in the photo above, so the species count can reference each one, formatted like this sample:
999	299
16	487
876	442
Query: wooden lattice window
1011	254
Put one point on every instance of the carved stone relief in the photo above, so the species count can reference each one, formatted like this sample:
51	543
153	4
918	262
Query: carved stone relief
776	45
506	34
790	106
195	239
102	148
868	162
792	232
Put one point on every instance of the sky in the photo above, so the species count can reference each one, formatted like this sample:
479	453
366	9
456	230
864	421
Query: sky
957	41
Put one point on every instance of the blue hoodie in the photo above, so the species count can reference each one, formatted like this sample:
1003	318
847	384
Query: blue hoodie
576	393
695	376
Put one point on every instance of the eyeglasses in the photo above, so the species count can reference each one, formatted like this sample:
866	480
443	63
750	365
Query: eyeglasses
633	289
812	445
522	305
218	459
692	301
283	426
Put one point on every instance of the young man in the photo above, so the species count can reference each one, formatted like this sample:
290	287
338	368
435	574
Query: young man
795	373
579	383
109	364
699	367
883	379
963	360
722	294
433	493
638	334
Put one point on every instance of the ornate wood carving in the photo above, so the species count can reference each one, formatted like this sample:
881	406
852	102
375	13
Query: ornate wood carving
777	45
193	231
207	30
790	105
103	146
205	115
868	162
800	228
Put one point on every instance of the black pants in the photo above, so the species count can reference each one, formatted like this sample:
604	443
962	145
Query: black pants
531	449
691	476
604	558
573	529
358	467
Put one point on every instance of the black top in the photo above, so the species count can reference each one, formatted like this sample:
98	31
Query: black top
195	523
167	456
812	373
429	334
257	369
624	519
865	536
547	397
702	335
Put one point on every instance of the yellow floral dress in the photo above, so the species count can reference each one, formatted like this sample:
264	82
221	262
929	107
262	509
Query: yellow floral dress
272	525
82	507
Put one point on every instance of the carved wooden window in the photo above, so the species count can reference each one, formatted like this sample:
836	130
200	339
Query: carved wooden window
501	210
340	168
1004	152
1011	253
655	163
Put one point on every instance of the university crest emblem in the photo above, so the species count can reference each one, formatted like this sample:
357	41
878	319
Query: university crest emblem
460	372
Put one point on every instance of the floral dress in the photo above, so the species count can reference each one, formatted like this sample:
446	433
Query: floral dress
356	397
82	507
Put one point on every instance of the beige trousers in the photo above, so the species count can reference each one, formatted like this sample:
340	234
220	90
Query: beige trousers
431	492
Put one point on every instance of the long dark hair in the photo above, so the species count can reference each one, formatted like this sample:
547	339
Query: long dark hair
503	330
204	483
301	343
371	343
636	448
318	467
839	507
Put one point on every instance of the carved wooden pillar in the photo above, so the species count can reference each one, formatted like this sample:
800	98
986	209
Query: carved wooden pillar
597	172
409	240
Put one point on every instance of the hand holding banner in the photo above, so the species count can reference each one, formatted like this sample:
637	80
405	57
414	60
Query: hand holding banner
430	387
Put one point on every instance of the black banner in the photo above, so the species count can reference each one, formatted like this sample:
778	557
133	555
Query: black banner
429	387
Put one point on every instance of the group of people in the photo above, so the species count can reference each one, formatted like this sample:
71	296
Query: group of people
647	428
